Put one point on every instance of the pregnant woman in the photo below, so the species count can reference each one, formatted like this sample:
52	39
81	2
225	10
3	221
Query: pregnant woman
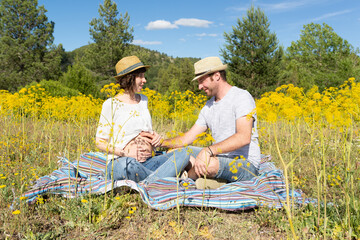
122	119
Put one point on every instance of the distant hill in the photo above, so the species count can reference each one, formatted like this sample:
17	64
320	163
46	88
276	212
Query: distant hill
159	62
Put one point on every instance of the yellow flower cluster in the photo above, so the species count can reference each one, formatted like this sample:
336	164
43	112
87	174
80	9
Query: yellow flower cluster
112	89
186	106
158	105
180	108
36	102
204	139
333	176
131	211
336	106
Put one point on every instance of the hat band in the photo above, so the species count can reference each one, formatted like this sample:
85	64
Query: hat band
129	69
198	74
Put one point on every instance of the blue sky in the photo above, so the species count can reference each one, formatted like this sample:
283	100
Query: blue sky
195	28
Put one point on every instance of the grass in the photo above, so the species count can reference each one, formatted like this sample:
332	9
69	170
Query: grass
60	218
89	218
31	151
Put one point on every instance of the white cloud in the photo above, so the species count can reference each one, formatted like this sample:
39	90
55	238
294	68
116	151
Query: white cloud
187	22
141	42
192	22
329	15
160	24
206	35
283	5
238	9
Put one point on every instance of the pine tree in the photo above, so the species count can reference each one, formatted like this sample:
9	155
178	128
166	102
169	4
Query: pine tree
320	57
252	53
177	76
186	67
111	36
27	52
78	77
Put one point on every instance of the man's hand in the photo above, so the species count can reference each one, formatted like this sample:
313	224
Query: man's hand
202	162
153	138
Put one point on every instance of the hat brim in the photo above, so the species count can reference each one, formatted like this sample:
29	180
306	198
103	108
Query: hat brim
216	69
132	70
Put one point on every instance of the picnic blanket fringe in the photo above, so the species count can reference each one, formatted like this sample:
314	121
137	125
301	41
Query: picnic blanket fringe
87	176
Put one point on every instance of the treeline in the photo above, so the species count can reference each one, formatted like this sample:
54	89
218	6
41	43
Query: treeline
256	60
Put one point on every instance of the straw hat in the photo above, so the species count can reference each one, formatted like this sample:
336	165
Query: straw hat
127	65
208	65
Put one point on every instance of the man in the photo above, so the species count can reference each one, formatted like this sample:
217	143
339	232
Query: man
230	115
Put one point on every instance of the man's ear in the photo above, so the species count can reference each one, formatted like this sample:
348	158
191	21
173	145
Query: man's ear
216	76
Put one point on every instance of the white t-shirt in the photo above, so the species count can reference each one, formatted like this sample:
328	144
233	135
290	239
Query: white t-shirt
221	117
121	122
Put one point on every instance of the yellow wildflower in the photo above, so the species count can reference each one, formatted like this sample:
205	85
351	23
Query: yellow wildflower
16	212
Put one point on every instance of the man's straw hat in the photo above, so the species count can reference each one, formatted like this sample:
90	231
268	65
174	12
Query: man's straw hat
127	65
208	65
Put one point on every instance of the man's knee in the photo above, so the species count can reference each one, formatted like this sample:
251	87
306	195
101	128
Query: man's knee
192	150
213	167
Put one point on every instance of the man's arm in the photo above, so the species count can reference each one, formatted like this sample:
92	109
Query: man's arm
179	141
205	165
241	138
185	139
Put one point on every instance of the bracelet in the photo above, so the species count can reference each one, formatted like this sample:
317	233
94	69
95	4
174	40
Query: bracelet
211	152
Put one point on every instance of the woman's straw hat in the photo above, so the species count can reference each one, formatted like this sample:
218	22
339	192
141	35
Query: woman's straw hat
208	65
127	65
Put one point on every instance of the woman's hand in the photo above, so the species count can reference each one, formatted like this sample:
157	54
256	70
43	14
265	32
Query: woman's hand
153	138
144	150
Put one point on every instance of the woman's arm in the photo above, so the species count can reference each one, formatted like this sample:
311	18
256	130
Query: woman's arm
136	148
103	145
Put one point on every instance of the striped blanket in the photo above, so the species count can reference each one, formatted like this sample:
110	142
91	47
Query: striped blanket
86	175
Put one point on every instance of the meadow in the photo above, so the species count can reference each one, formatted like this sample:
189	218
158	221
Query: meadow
312	136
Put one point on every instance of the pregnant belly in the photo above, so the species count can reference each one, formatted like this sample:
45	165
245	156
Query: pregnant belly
139	143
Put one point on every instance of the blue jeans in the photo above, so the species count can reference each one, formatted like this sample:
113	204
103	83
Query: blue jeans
154	168
244	169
